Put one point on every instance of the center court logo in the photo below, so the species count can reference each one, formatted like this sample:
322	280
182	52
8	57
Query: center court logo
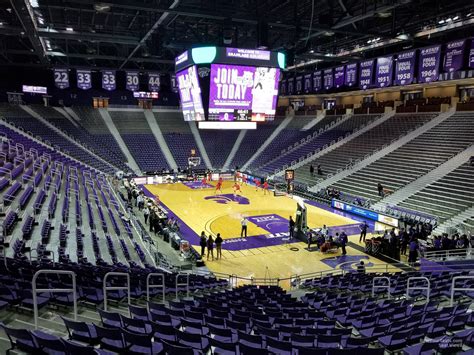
346	262
228	198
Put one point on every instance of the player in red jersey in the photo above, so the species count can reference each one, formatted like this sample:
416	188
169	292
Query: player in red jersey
257	183
265	187
236	188
221	179
244	179
203	182
218	186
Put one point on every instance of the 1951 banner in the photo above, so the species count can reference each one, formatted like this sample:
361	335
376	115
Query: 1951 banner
108	80
61	78
405	68
428	67
384	72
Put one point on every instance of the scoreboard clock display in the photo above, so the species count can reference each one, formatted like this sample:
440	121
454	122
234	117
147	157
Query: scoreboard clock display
289	175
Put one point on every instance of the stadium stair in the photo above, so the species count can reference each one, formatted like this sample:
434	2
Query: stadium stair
455	222
235	149
156	130
384	151
200	144
111	126
72	113
66	115
45	122
339	143
272	136
319	117
427	179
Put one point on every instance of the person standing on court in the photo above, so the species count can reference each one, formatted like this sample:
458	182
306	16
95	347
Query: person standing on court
210	247
343	242
203	243
291	226
363	231
311	170
243	223
218	242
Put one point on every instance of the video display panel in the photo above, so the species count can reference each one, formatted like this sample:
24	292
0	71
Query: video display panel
190	94
242	92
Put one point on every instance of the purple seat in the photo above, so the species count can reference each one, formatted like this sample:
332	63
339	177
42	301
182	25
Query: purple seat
111	339
396	340
141	344
81	331
139	312
222	334
279	347
137	326
328	341
175	349
164	332
49	344
194	341
20	339
111	319
425	348
307	341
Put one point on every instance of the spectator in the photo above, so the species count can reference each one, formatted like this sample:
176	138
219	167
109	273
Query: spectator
203	243
219	246
363	231
210	247
380	189
342	242
320	170
291	227
140	201
413	253
146	214
311	170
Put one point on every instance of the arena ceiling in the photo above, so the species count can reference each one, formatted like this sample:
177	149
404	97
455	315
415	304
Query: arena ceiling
148	34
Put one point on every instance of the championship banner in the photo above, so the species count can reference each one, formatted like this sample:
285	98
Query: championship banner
351	74
428	67
471	54
453	60
108	80
307	84
339	76
405	68
328	79
283	87
61	78
299	84
384	71
84	79
317	80
132	80
154	81
291	86
366	70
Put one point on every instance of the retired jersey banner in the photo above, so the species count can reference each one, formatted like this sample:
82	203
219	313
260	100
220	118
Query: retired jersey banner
173	83
384	71
291	86
307	84
454	58
132	80
351	74
317	80
328	79
283	87
299	84
405	68
108	80
428	67
366	70
84	79
61	78
154	81
471	54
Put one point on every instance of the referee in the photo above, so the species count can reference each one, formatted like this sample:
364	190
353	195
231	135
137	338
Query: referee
243	223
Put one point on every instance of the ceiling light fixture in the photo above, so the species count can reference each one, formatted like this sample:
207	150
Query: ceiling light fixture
69	29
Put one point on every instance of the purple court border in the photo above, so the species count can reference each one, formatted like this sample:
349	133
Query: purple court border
264	240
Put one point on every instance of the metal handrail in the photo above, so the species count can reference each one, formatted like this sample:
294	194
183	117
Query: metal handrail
186	275
52	290
106	288
150	286
374	286
425	288
454	289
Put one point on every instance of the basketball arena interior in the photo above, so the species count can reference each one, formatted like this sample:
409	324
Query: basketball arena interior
237	177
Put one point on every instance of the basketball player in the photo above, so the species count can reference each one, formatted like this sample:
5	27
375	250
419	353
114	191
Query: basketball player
265	187
257	183
203	182
244	180
236	188
218	186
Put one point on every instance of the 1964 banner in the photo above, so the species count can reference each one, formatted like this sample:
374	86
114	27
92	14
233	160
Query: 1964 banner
351	74
84	79
428	67
132	80
453	60
108	80
384	72
328	79
366	70
307	83
339	76
405	68
61	78
317	80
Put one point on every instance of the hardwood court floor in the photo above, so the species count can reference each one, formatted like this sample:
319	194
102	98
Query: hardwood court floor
266	251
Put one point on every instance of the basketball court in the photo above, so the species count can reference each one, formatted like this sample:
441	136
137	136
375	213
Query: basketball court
267	250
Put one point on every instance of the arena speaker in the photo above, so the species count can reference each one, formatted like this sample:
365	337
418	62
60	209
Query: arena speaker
227	32
262	34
